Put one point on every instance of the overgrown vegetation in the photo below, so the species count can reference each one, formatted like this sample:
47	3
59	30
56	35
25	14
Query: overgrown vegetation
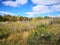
18	30
19	18
41	36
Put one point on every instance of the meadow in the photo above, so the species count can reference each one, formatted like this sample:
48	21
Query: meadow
40	32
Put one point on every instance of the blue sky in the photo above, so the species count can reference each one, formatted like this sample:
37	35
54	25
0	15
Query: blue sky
30	8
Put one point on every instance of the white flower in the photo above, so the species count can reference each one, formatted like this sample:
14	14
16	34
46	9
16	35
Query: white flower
42	34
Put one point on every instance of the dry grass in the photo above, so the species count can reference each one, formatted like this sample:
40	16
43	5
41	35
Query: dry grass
19	31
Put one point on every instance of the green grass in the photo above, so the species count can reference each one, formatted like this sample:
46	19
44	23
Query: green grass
30	33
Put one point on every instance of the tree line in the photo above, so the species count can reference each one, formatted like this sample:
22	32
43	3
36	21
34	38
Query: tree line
18	18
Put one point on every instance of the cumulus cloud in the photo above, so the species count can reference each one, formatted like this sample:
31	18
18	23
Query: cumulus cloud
10	3
41	9
56	7
46	2
14	3
45	9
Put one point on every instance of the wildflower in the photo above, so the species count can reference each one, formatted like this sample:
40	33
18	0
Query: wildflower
42	34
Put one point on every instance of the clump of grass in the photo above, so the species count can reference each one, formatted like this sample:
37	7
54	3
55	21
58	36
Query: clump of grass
41	36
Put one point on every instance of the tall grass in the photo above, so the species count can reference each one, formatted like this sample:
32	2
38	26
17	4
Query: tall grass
29	33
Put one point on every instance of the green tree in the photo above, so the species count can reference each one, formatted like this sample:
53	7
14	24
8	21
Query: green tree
46	17
1	18
7	17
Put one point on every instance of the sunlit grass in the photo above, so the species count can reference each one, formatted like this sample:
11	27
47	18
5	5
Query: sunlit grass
18	33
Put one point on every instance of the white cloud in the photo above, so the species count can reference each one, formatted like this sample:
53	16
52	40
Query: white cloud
14	3
22	2
46	2
6	12
10	3
56	7
30	14
38	9
42	9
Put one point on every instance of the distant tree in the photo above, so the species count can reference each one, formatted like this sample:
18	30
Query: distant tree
18	18
21	18
38	18
1	18
46	17
33	19
9	18
14	18
30	19
25	19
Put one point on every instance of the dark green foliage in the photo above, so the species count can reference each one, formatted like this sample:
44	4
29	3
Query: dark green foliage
14	18
38	18
40	36
8	17
1	18
4	34
46	17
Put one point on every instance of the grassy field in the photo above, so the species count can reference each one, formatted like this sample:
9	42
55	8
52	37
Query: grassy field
30	32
